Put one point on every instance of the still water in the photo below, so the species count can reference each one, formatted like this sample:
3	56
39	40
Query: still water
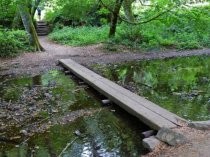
181	85
34	120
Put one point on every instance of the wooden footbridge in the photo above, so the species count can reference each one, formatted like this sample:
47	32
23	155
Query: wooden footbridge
149	113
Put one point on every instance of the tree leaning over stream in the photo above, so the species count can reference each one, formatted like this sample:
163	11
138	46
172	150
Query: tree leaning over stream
24	8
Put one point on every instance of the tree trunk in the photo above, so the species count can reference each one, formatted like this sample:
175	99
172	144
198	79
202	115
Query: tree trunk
33	9
29	26
114	19
127	6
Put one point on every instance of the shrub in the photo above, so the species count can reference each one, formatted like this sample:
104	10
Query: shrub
8	10
80	36
183	29
12	42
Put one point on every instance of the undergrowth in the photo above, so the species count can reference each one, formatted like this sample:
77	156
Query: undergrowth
80	36
12	42
181	29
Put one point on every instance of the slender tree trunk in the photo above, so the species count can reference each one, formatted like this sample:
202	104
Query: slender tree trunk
29	26
33	9
127	6
114	19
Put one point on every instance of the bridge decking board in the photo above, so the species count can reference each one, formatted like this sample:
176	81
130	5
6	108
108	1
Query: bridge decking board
148	112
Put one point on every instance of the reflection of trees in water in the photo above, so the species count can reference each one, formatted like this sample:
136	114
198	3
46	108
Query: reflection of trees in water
179	85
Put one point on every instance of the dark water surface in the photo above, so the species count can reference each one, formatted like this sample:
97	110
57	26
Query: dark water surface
107	132
181	85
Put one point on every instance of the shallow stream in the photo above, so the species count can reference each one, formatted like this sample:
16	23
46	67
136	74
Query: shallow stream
52	115
181	85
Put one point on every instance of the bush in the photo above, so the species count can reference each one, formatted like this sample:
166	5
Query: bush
12	42
79	12
184	29
80	36
8	10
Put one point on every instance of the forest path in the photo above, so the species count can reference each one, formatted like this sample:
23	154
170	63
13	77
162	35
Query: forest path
198	145
35	63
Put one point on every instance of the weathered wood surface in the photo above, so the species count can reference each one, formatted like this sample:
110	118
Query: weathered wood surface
148	112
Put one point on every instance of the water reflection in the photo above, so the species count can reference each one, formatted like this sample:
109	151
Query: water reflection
102	134
180	85
47	98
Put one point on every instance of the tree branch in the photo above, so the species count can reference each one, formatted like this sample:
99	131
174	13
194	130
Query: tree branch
105	6
145	5
33	10
149	20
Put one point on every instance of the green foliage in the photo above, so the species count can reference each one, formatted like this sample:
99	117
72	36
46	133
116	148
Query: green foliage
11	42
77	13
7	12
65	11
181	29
80	35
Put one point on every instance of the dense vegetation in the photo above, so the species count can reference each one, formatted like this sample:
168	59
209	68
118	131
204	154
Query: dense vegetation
187	29
183	27
80	36
154	24
16	15
13	42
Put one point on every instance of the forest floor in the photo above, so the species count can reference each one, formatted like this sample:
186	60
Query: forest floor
40	62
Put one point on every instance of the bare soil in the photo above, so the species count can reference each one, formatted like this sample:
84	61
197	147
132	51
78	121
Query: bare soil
198	145
34	63
39	62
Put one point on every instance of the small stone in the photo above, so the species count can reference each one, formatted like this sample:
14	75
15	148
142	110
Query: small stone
48	95
33	151
201	125
3	115
106	101
171	137
54	111
148	133
24	132
15	137
36	147
77	132
150	143
97	147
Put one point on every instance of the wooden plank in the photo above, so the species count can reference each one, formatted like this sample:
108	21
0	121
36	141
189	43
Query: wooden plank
146	103
148	112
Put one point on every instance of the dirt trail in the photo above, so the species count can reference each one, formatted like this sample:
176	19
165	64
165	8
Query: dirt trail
198	145
34	63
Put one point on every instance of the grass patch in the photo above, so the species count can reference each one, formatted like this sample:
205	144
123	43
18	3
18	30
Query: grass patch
80	36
